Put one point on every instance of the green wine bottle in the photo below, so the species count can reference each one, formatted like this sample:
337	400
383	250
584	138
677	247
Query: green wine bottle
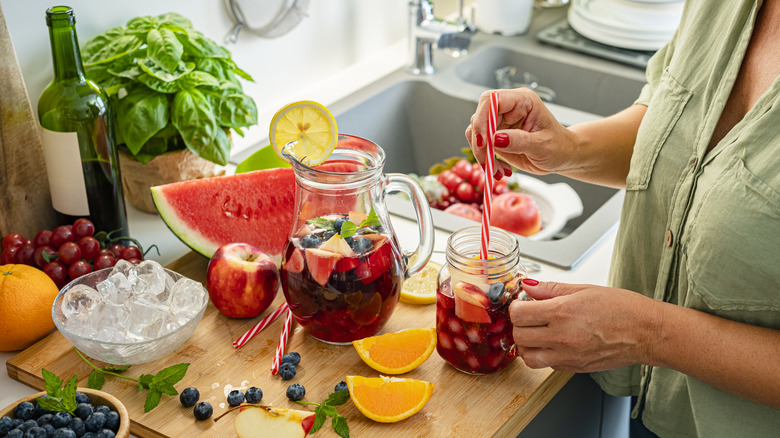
81	156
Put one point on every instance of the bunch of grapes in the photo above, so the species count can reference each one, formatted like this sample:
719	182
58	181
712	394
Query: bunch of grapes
68	251
465	183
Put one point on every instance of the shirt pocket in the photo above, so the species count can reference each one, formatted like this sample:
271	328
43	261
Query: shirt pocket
732	248
663	112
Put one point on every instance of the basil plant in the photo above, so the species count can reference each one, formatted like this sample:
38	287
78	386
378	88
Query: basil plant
170	87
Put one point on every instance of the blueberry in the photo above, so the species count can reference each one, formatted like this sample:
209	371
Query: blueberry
95	422
254	395
16	423
64	433
44	419
292	357
203	410
60	419
27	425
49	430
338	223
106	433
342	386
360	246
296	391
15	433
350	240
495	291
83	410
189	397
235	397
89	435
39	411
6	424
35	432
287	371
82	398
328	235
24	411
112	421
311	241
77	425
103	409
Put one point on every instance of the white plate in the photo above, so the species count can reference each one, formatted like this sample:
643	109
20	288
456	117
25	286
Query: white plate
597	34
595	12
615	33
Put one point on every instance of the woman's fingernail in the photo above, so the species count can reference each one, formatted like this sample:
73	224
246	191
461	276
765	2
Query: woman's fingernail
479	140
501	140
498	175
530	282
507	172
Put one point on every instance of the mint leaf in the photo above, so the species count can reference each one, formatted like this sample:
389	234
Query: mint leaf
115	368
329	410
68	395
165	388
96	380
321	222
347	229
50	403
372	220
340	426
152	399
337	398
319	419
52	381
171	375
144	381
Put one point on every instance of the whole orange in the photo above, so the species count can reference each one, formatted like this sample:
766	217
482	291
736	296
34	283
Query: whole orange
26	297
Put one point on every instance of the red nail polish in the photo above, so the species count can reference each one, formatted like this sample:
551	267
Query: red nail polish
479	140
530	282
507	172
498	175
501	140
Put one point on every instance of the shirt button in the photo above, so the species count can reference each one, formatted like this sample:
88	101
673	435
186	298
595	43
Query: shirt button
668	238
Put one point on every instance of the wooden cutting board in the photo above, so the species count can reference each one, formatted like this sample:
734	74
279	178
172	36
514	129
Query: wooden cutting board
462	405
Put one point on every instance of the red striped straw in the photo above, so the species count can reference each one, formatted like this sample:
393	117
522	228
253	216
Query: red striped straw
282	343
260	325
489	172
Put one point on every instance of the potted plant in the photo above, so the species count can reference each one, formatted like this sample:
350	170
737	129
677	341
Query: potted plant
175	97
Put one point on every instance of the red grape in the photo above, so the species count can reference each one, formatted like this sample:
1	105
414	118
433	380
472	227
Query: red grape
451	180
25	253
8	256
104	261
477	176
42	238
60	235
39	257
116	249
13	239
462	168
130	252
107	252
90	247
56	270
69	253
83	227
465	192
134	261
79	268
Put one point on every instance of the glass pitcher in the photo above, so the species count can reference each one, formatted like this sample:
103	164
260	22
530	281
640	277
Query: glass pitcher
342	269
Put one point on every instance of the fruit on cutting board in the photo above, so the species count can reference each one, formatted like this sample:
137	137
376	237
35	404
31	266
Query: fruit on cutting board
26	297
388	399
267	421
241	280
399	352
517	213
253	207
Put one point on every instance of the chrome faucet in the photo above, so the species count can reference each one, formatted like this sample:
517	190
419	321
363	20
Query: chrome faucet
426	32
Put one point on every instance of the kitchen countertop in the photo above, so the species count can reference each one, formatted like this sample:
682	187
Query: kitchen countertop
150	229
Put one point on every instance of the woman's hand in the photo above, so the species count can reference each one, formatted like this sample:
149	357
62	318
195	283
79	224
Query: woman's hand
527	135
582	328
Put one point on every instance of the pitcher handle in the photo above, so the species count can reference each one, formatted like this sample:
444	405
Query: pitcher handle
399	182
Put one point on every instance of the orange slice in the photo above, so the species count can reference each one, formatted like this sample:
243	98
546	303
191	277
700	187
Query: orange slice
388	399
399	352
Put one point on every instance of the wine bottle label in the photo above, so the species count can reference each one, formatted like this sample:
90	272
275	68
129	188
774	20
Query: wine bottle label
66	178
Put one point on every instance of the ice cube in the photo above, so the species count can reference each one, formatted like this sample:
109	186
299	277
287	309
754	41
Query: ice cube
474	335
122	267
460	343
186	300
445	341
146	318
116	289
79	301
455	325
111	315
473	362
149	278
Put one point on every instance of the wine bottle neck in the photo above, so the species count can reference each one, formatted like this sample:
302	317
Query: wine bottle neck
64	44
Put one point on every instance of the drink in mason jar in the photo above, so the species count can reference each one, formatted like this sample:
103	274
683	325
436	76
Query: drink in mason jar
472	301
341	288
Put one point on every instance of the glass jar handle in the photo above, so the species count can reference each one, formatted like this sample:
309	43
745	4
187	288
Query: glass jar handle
399	182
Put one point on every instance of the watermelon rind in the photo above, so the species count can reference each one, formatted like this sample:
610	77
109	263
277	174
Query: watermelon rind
178	226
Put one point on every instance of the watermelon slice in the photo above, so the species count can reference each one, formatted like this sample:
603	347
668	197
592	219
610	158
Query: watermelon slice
295	262
321	263
254	207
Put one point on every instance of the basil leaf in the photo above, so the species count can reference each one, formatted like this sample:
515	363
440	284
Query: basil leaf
193	117
110	45
164	48
174	19
52	381
158	85
142	114
198	45
347	229
236	110
197	78
152	399
142	25
96	380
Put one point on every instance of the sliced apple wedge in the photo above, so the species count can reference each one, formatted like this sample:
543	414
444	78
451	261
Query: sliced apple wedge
267	421
320	264
357	217
338	245
470	303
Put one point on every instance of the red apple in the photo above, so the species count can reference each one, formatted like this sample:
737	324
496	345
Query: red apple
267	421
471	303
465	210
517	213
241	280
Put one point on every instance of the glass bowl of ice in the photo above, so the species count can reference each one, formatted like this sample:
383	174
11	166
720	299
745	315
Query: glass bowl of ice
129	314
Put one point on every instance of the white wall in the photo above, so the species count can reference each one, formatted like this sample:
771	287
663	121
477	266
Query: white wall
337	34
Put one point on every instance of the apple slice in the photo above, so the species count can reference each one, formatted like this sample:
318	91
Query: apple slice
294	263
267	421
471	303
356	217
377	263
321	263
338	245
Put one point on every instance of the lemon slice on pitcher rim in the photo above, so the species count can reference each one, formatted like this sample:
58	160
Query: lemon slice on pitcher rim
421	287
306	130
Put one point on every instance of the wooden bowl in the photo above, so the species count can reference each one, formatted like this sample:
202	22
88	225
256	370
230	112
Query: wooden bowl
97	397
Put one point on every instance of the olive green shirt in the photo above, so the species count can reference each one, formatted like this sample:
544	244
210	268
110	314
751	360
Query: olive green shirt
701	229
